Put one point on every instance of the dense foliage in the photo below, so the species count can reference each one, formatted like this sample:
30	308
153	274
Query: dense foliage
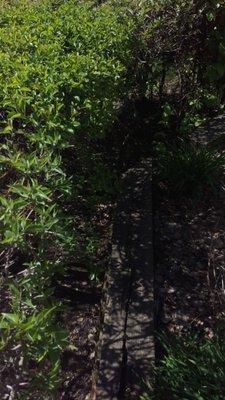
62	70
183	60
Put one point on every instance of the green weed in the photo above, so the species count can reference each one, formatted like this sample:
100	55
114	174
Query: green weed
193	369
189	170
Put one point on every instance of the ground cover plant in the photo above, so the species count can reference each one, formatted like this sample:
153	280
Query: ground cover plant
62	69
189	170
193	369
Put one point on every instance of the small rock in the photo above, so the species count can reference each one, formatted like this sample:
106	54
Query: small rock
90	336
171	290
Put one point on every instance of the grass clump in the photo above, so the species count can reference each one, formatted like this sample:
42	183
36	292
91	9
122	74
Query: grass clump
193	369
189	170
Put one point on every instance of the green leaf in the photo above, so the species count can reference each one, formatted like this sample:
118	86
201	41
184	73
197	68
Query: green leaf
12	318
211	16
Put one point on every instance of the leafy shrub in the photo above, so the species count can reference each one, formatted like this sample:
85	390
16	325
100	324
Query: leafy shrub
182	56
37	342
189	170
193	369
62	69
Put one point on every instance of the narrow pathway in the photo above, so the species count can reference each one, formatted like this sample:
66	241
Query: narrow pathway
126	351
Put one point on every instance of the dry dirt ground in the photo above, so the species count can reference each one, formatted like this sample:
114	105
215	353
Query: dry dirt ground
190	262
189	238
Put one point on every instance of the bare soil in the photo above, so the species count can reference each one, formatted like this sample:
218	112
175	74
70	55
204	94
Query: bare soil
190	263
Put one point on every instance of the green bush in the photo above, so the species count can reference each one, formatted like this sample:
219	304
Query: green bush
189	170
182	56
63	68
193	369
